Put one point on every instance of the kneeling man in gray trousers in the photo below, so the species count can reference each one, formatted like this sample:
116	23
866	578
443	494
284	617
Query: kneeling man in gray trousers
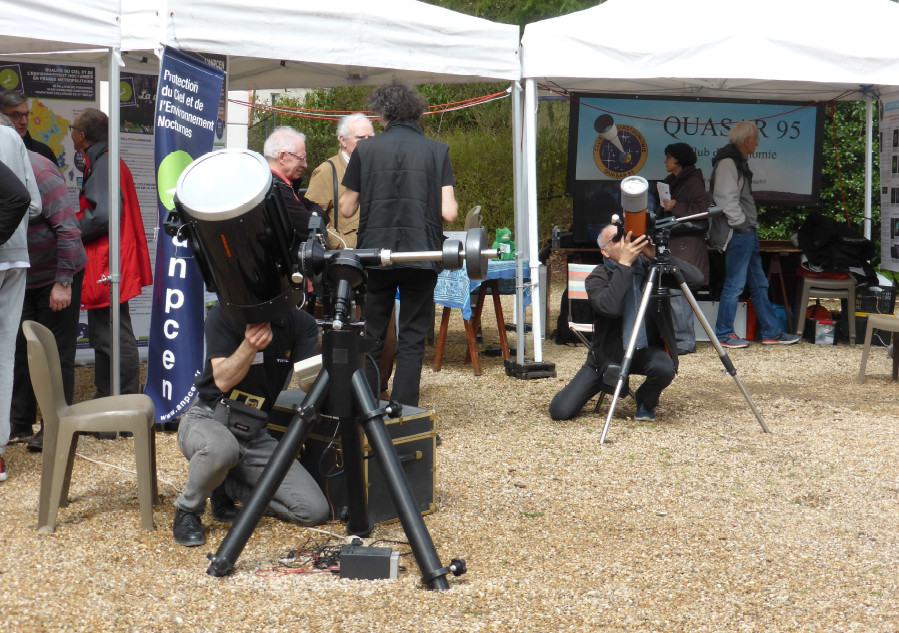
250	364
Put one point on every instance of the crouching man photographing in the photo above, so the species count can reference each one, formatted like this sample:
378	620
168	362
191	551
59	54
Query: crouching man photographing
614	289
246	368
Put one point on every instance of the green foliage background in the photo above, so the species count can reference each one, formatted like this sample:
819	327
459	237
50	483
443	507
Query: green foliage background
480	141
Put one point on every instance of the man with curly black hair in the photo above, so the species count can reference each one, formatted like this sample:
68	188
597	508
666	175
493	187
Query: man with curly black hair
404	186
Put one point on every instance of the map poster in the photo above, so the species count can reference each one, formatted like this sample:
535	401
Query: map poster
56	93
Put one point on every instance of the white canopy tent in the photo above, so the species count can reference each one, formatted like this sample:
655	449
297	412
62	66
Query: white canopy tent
313	45
269	44
800	50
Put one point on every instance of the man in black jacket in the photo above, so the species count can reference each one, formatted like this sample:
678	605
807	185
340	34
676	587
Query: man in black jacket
404	186
614	289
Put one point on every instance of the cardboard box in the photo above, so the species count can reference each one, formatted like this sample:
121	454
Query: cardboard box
710	310
414	439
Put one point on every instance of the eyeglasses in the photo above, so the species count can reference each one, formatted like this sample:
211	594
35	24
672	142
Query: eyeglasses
72	127
302	159
18	116
615	239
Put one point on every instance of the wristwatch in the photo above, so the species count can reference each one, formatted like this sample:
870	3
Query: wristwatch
64	284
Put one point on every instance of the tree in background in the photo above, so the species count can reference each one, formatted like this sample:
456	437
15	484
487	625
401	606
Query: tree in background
842	173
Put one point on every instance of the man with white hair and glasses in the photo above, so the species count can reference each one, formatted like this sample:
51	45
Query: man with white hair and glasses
285	151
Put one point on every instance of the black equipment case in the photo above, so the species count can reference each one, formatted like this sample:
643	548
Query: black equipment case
414	439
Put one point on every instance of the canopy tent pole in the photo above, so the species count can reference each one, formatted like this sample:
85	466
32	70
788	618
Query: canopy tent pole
115	203
530	140
869	168
522	239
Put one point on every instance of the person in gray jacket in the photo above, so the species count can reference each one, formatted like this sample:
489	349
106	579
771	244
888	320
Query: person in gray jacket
736	233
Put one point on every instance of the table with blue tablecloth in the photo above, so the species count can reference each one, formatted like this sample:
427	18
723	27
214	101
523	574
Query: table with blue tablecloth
454	291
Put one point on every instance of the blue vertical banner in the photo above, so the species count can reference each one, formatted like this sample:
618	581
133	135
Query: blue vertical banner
187	100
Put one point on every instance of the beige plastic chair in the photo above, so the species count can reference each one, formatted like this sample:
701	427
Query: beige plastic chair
63	423
879	322
813	287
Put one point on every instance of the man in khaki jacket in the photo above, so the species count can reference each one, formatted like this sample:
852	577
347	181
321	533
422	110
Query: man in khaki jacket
351	129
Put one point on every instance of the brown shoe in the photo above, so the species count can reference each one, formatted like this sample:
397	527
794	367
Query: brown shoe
36	443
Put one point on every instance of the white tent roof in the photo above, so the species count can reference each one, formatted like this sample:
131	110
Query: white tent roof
42	26
777	49
351	42
305	44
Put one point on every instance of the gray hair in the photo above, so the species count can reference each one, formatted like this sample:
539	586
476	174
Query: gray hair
10	99
344	123
5	120
283	139
742	132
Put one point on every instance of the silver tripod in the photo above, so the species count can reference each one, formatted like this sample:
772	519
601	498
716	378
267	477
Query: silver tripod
662	263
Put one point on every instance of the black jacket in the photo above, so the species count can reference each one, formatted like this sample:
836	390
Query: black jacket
14	201
606	290
400	176
40	148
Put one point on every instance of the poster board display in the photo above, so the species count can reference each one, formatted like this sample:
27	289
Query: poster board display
613	137
889	181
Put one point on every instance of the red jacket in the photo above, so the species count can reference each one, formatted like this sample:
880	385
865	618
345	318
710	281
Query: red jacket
134	268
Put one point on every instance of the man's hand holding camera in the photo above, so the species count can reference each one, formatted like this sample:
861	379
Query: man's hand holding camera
632	247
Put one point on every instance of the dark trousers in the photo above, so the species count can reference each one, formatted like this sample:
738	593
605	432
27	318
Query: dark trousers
99	329
652	362
416	286
64	325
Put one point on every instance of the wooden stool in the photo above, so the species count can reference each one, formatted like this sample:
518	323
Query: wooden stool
818	288
880	322
472	354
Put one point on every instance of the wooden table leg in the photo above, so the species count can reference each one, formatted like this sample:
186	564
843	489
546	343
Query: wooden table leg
441	339
500	321
470	333
476	319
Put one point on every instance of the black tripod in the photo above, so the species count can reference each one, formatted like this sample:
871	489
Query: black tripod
661	264
343	353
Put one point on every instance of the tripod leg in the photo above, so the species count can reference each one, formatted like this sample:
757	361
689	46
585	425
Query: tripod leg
722	354
358	522
648	289
232	545
410	517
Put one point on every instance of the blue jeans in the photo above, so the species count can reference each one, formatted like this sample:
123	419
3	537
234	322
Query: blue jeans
744	268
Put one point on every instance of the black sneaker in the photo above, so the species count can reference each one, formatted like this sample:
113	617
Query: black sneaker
224	509
36	443
187	529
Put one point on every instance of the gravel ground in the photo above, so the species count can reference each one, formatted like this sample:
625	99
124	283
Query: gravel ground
695	522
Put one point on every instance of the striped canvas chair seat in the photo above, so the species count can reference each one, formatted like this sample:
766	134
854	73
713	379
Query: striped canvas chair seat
577	275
